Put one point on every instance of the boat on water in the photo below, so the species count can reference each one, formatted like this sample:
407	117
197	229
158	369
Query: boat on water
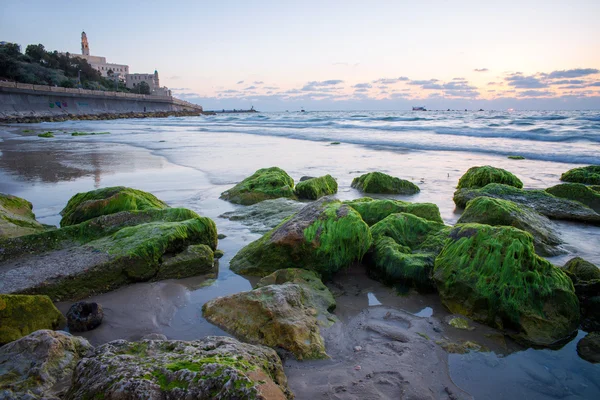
419	109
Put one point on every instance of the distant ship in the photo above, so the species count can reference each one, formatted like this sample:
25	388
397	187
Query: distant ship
419	109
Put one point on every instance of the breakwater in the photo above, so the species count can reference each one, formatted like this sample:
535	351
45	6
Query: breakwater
35	103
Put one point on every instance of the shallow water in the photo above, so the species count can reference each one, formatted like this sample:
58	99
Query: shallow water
188	162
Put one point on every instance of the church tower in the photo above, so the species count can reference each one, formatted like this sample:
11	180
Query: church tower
156	81
85	48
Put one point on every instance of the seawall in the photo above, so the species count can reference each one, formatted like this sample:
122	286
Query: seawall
19	101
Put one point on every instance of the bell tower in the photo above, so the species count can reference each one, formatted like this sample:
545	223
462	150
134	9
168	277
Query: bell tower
85	48
156	81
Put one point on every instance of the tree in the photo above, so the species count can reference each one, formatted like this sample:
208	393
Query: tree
36	52
141	88
109	72
11	49
9	68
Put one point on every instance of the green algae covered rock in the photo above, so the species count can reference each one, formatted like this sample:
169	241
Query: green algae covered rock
405	249
589	175
478	177
315	188
88	205
541	201
266	183
46	135
266	215
582	270
17	217
325	236
211	368
373	211
278	315
516	157
20	315
490	211
578	192
196	259
40	365
378	182
492	275
588	348
586	280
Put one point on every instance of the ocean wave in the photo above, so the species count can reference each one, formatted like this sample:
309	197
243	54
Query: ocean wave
547	117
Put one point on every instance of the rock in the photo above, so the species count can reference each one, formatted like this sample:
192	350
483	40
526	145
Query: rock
491	211
516	157
154	336
88	205
315	188
221	236
459	323
541	201
266	183
196	259
478	177
589	175
325	236
405	248
586	280
211	368
101	254
279	316
17	217
305	178
378	182
46	135
84	316
266	215
588	348
578	192
40	365
21	315
462	347
492	275
218	254
374	210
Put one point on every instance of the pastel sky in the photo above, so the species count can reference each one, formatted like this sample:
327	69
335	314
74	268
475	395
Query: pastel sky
332	55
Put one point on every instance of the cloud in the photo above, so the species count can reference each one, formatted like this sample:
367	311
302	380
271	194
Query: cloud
535	93
179	89
492	83
258	82
595	84
568	82
423	82
390	81
481	70
362	86
573	73
251	88
519	81
240	82
271	87
174	77
314	85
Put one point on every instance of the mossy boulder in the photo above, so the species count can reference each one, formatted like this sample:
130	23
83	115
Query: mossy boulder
378	182
282	316
586	280
325	236
266	183
266	215
88	205
374	210
541	201
478	177
492	275
589	175
516	157
20	315
103	253
490	211
40	365
17	217
405	248
588	348
196	259
211	368
315	188
578	192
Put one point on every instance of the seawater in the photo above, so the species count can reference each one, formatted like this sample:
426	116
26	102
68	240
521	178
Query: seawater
188	162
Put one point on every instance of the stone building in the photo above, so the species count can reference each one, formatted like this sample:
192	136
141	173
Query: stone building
99	63
132	80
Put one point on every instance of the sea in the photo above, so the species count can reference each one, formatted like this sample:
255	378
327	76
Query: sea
189	161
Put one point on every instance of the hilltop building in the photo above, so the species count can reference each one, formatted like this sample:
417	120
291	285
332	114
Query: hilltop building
99	63
132	80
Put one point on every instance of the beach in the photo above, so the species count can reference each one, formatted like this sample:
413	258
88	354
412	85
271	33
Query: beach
189	161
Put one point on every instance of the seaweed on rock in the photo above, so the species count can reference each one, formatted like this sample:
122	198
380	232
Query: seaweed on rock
478	177
578	192
589	175
374	210
378	182
266	183
315	188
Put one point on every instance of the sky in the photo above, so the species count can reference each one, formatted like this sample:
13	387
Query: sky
337	55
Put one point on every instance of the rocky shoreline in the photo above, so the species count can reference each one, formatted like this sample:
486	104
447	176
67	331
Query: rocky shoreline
99	117
485	268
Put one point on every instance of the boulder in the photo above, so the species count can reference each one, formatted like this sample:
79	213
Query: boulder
478	177
541	201
492	275
405	248
278	315
17	217
266	215
324	236
378	182
586	280
20	315
101	254
84	316
491	211
88	205
211	368
196	259
40	365
266	183
578	192
588	348
314	188
589	175
374	210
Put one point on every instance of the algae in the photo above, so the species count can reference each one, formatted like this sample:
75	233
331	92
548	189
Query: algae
373	211
315	188
266	183
21	315
46	135
478	177
589	175
378	182
578	192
